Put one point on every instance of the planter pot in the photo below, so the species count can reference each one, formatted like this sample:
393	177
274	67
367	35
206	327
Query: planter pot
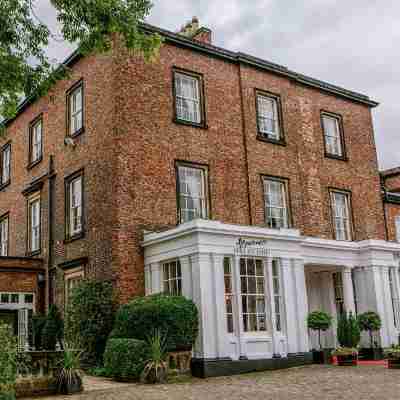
348	360
394	363
322	356
371	354
72	387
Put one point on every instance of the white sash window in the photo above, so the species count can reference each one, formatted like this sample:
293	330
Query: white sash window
277	293
76	110
192	193
75	188
34	224
229	296
276	208
394	293
188	98
341	215
4	237
333	138
36	141
172	278
6	164
268	117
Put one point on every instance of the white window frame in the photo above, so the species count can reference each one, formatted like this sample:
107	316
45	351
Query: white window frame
229	294
34	229
76	109
395	295
263	116
343	217
271	207
75	206
172	277
4	235
277	294
36	141
198	195
188	108
6	164
71	279
333	141
337	281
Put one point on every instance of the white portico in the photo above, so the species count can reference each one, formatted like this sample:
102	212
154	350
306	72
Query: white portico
255	286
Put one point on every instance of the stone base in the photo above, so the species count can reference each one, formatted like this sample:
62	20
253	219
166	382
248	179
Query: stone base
36	386
205	368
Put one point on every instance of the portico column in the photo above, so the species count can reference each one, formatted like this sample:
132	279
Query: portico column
348	291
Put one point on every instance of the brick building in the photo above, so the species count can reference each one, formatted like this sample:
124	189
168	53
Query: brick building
248	187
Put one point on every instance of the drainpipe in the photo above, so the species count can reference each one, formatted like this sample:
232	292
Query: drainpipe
50	176
244	129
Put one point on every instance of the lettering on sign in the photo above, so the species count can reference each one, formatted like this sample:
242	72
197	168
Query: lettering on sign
252	247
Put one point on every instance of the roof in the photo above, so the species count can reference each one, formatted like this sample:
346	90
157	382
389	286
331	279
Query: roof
387	173
235	57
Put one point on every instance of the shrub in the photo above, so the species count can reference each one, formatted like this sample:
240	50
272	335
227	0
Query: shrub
175	317
348	332
369	322
8	363
53	329
38	323
319	321
125	359
89	319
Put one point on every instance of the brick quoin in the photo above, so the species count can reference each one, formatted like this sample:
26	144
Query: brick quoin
130	144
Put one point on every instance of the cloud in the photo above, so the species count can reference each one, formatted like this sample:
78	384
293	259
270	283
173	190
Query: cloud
353	44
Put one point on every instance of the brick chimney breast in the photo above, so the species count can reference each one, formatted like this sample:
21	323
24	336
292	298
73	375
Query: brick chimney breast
192	30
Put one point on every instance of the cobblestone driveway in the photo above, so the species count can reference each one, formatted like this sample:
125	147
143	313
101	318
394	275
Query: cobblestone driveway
314	382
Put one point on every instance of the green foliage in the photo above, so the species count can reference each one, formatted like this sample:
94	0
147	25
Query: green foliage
38	323
89	318
125	359
369	321
25	70
348	331
8	363
69	371
53	329
174	316
319	321
393	352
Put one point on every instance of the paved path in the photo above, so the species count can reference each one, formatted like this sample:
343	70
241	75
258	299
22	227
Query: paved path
314	382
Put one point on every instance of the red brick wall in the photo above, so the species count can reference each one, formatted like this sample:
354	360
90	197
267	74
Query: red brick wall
131	143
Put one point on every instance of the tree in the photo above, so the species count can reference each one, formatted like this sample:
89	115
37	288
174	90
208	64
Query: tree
319	321
348	332
369	322
26	71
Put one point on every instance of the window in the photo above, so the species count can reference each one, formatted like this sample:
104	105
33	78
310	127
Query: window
4	236
189	106
75	110
394	293
34	224
172	278
28	299
341	215
252	282
276	203
277	293
74	203
35	141
228	294
269	117
338	289
333	135
192	192
6	164
72	278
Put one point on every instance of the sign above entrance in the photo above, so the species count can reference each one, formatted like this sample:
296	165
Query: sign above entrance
252	247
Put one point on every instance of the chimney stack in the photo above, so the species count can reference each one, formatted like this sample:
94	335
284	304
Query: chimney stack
192	30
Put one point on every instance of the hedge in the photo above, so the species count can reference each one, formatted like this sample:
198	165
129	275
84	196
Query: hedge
125	359
174	316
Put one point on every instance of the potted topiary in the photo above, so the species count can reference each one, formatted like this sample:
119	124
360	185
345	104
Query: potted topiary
320	321
348	335
393	356
370	322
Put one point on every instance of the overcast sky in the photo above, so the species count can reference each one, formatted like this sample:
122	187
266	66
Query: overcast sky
353	43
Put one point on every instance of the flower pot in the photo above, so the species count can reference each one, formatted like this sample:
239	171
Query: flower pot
394	363
72	387
322	356
347	360
371	354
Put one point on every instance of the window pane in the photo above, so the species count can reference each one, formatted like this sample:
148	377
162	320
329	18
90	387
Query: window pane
276	213
341	215
172	278
187	98
332	135
268	121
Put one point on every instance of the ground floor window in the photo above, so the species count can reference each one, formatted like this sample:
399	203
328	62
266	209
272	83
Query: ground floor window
394	293
228	294
338	288
172	278
277	293
71	280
